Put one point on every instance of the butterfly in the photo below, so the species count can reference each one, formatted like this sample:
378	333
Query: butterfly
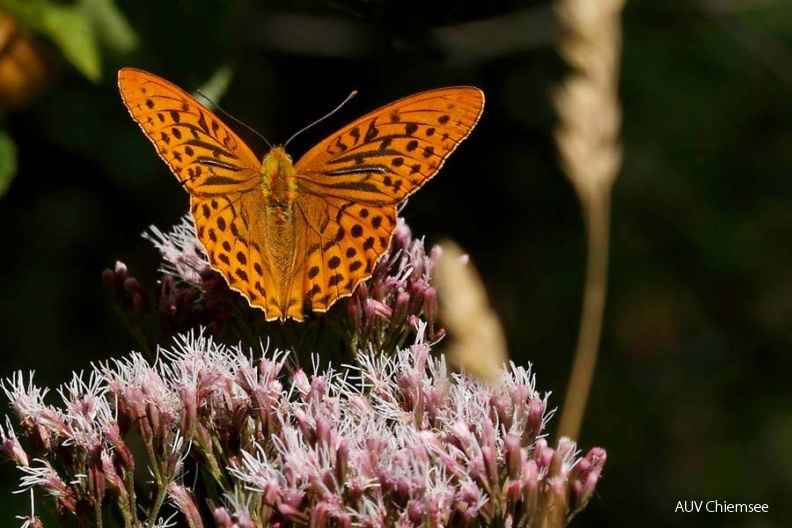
293	238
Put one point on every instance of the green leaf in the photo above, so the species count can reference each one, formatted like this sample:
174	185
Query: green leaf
215	87
8	160
110	25
72	31
28	12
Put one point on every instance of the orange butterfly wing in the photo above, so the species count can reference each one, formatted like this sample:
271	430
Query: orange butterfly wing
206	156
351	183
387	155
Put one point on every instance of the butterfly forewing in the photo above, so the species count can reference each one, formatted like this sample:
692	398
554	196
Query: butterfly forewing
390	153
205	155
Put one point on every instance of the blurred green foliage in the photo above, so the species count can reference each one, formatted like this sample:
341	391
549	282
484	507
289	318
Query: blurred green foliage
8	160
692	397
79	29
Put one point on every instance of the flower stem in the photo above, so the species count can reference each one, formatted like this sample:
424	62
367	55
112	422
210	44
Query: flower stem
128	511
161	493
98	513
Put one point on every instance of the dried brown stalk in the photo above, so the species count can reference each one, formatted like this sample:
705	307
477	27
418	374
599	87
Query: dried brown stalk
477	343
588	141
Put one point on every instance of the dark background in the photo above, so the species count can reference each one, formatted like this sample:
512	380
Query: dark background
692	394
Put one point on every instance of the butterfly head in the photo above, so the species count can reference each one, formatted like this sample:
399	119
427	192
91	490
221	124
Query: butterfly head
277	163
277	157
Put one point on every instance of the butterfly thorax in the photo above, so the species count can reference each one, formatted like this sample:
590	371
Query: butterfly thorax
278	185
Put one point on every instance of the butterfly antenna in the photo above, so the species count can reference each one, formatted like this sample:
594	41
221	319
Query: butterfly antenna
336	109
234	119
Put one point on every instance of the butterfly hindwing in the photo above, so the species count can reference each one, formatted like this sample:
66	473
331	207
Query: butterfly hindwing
235	246
343	250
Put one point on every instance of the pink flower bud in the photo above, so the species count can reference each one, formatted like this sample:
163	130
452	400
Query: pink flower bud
543	454
341	462
243	520
585	476
402	236
400	308
112	478
416	296
362	293
343	520
360	404
189	411
222	518
491	467
318	389
400	491
416	512
513	496
301	382
292	513
379	309
51	484
11	448
319	516
531	481
353	309
430	305
324	431
185	501
138	296
534	421
513	455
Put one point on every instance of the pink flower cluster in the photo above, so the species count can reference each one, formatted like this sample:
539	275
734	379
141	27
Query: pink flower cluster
189	295
387	309
384	312
394	441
